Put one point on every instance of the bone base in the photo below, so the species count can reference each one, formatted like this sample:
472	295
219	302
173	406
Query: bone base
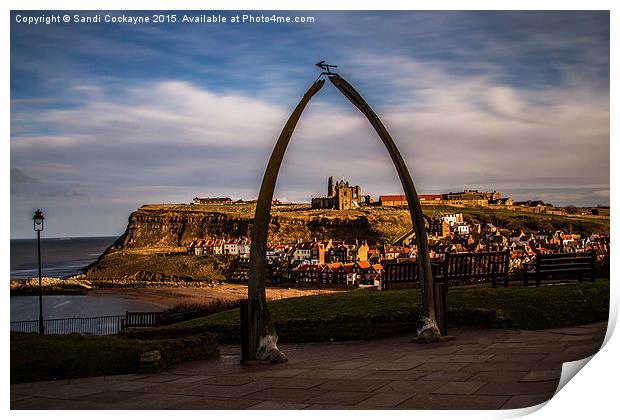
268	350
428	332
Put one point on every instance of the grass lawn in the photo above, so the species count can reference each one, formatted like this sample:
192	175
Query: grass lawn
36	357
368	313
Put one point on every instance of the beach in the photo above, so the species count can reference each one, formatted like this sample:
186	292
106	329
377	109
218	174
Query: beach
95	302
170	296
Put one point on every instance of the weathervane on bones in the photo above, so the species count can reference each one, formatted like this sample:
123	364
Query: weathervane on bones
326	66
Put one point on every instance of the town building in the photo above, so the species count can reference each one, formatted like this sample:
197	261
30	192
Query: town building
468	198
212	201
438	228
452	218
393	200
430	199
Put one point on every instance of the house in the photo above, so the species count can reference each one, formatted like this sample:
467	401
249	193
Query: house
430	199
501	202
391	252
467	198
461	229
303	251
351	275
360	251
345	253
328	273
218	246
453	218
277	253
489	228
393	200
374	256
212	201
317	252
199	247
243	246
231	247
307	273
379	272
367	273
340	274
438	228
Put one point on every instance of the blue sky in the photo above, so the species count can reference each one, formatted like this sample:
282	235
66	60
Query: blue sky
107	117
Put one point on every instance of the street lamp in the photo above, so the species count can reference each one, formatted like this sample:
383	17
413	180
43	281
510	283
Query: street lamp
38	227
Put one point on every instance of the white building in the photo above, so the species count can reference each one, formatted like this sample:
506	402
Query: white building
462	229
303	251
231	247
243	246
453	218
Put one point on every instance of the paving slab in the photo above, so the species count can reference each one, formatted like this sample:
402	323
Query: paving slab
519	388
286	394
495	376
463	388
340	397
542	375
447	376
480	369
278	405
364	385
463	402
215	404
523	401
412	387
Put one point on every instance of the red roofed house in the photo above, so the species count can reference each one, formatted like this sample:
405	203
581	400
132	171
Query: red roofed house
308	273
429	199
393	200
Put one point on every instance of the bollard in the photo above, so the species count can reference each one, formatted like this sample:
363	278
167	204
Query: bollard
439	297
245	334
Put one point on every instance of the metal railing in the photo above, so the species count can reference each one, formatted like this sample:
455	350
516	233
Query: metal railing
99	325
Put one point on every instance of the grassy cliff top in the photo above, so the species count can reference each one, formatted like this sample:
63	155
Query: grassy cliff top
502	218
290	210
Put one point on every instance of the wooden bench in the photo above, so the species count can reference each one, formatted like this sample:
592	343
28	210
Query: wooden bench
579	263
464	268
143	319
399	275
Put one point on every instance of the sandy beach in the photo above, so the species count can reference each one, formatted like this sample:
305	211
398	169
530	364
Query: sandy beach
168	296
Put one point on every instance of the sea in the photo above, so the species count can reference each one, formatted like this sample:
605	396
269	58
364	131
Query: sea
62	258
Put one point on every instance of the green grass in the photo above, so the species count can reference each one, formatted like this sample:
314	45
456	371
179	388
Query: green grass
126	263
367	313
36	357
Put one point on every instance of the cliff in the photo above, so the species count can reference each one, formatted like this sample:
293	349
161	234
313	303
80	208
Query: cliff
170	226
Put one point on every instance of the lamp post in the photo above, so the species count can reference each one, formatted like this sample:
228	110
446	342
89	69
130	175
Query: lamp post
38	227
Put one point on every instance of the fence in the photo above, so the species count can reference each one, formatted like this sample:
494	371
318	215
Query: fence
100	325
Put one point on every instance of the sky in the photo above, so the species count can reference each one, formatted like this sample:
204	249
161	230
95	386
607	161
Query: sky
107	117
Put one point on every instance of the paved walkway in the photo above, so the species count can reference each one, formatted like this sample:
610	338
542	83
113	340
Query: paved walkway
480	369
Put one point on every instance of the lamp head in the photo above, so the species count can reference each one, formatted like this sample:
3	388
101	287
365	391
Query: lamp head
38	220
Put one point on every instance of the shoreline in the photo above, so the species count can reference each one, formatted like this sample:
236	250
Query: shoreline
166	296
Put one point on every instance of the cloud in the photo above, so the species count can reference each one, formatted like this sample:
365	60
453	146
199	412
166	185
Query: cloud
452	129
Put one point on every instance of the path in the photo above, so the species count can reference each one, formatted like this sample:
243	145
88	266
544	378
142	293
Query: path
480	369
